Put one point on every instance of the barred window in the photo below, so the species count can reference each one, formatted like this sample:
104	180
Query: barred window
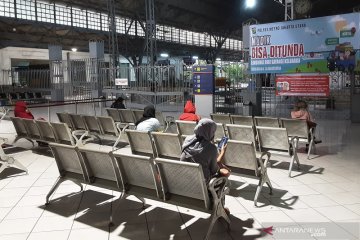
104	22
189	37
7	8
94	21
196	40
160	32
167	33
182	36
130	25
175	34
207	39
120	25
79	17
45	12
25	9
63	15
140	30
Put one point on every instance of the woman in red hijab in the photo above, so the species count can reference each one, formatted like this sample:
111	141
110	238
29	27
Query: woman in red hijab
189	113
21	110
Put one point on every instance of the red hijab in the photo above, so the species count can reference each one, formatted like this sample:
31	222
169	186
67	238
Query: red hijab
21	110
189	113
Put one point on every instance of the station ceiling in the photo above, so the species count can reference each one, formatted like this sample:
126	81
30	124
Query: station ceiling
216	16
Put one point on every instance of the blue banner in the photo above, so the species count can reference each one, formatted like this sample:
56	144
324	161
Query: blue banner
306	46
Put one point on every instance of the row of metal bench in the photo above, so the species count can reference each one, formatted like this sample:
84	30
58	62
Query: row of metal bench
174	182
294	127
32	97
239	154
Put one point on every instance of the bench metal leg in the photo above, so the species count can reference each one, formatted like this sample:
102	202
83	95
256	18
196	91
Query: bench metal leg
311	145
294	158
263	179
29	139
57	184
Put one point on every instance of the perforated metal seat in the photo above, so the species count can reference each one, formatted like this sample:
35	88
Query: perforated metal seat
185	128
242	120
46	131
183	183
32	129
140	143
266	122
138	114
167	145
242	155
65	118
63	133
21	131
300	129
114	114
220	132
242	133
77	122
276	141
221	118
69	165
9	161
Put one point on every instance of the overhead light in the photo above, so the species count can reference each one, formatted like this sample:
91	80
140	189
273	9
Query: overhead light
250	3
218	59
195	57
164	55
74	49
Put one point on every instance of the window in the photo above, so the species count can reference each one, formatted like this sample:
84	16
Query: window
130	26
63	15
45	12
189	38
167	33
25	9
175	35
94	20
7	8
196	40
182	36
140	30
160	32
104	22
79	18
120	25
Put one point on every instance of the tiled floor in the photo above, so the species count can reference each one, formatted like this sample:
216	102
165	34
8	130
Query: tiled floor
322	201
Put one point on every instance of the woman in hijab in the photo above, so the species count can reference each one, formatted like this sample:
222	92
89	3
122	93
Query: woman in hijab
189	113
22	111
148	122
119	103
199	148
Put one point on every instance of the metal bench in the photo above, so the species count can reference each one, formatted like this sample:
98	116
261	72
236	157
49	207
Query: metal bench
9	161
114	114
300	129
243	133
185	128
242	155
183	184
266	122
140	143
167	145
221	118
65	118
276	141
242	120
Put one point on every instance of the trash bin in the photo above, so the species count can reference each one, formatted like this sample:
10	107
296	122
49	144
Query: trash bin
247	108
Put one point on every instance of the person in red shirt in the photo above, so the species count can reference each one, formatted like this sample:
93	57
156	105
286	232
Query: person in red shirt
189	113
22	111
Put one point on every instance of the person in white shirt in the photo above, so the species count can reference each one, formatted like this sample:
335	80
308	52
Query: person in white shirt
148	122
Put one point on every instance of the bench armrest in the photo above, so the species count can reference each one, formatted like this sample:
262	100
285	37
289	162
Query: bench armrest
218	188
263	165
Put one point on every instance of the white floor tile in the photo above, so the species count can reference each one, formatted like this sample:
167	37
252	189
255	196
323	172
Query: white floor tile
14	226
344	198
306	215
324	188
273	218
20	236
89	234
337	213
318	201
24	212
354	207
50	235
53	224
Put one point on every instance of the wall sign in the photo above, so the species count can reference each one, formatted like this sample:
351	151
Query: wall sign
302	85
305	46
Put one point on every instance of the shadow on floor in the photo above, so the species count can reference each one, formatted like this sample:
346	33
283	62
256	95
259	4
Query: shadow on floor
11	172
247	191
304	168
133	222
